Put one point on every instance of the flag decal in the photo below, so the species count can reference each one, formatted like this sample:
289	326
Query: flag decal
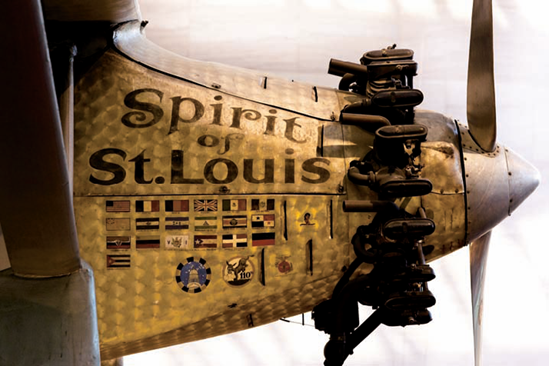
263	239
118	261
205	241
147	242
176	205
177	242
118	242
147	206
235	222
118	206
177	223
263	221
147	223
235	241
263	204
117	224
205	205
234	205
205	223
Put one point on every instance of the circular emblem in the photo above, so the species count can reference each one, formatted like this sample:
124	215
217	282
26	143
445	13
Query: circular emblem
238	271
284	266
193	276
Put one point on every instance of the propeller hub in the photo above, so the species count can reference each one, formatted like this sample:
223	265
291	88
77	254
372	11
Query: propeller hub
496	184
523	179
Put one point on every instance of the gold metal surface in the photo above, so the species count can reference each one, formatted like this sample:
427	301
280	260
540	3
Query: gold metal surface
308	99
144	299
190	139
145	143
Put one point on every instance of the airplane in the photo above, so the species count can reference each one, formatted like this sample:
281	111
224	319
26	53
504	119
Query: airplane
137	167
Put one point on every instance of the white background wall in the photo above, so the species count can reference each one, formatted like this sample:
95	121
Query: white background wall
296	39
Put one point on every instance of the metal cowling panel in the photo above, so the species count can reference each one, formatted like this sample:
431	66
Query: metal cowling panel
141	304
138	131
303	98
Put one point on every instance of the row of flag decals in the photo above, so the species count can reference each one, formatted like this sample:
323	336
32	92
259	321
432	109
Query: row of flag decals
205	241
203	223
198	205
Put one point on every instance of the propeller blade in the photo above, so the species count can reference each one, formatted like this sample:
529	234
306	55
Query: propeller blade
113	11
478	253
481	97
36	208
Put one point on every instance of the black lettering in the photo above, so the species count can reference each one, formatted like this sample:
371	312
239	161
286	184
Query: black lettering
249	171
217	111
131	102
139	173
228	138
232	171
269	130
176	118
289	133
177	170
310	167
208	141
289	171
250	114
97	162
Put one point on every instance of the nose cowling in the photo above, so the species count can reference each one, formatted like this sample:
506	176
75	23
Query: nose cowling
496	184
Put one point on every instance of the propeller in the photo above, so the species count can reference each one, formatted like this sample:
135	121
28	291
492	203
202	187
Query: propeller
36	208
478	253
481	97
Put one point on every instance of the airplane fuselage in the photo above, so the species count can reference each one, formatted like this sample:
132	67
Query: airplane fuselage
204	212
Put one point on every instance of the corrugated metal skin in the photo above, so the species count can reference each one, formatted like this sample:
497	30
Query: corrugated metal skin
142	306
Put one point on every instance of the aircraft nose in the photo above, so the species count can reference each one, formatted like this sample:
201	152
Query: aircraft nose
524	178
497	183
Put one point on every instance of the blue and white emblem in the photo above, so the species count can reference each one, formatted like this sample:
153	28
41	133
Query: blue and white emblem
193	276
